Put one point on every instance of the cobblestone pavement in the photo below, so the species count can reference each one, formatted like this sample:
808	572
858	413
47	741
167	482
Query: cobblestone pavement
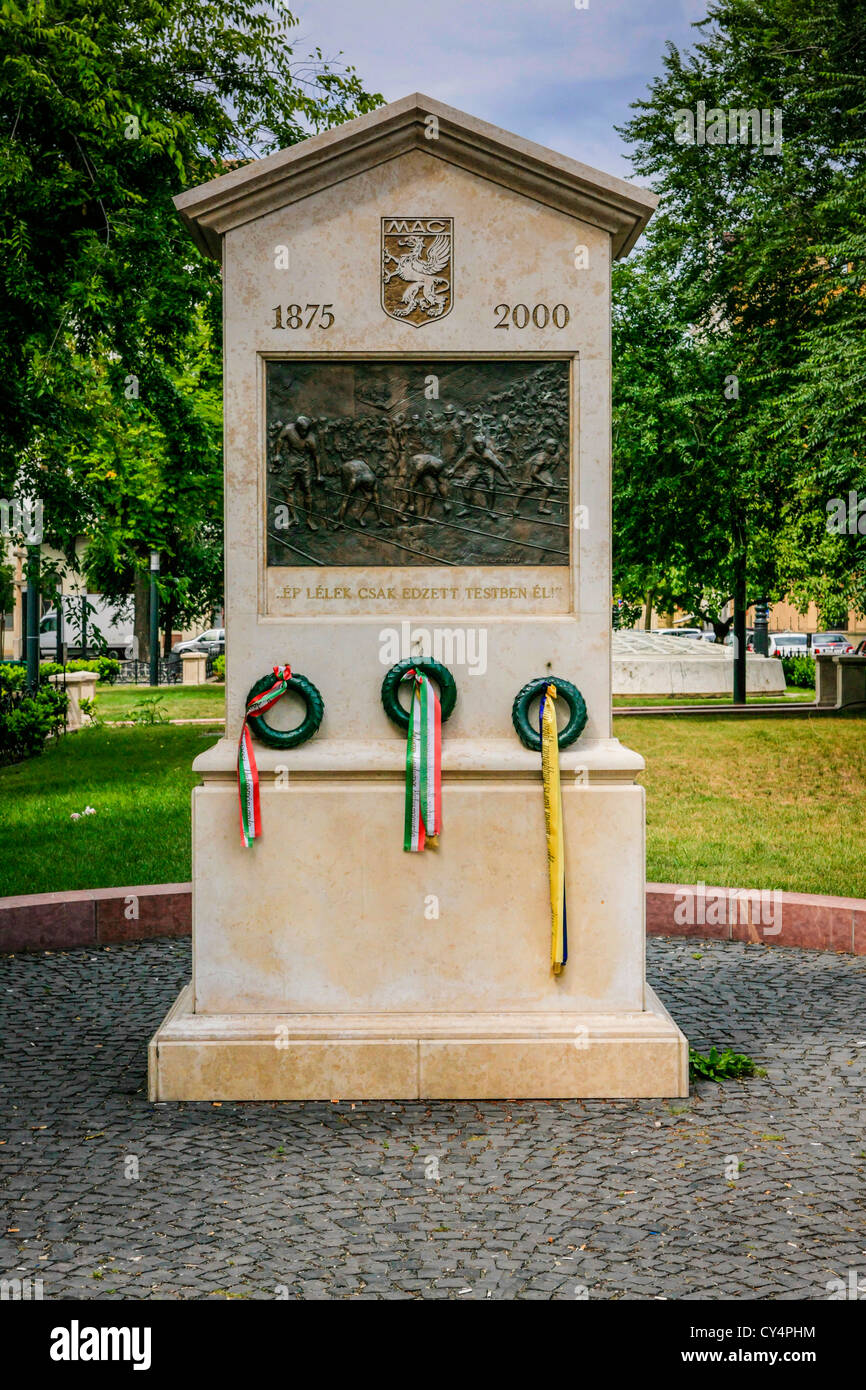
109	1197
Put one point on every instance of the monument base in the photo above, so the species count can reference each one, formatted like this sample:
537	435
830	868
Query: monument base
431	1056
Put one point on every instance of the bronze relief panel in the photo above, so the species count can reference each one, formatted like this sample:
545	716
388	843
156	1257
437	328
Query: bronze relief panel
413	463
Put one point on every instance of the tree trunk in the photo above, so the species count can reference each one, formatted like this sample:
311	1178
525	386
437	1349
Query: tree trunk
141	624
648	617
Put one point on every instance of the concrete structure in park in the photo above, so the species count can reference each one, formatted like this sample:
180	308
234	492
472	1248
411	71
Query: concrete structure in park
80	689
193	668
841	681
646	663
417	451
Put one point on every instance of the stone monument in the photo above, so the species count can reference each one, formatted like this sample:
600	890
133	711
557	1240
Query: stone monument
417	465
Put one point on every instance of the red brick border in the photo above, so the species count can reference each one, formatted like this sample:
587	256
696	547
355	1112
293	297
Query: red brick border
810	920
95	916
98	916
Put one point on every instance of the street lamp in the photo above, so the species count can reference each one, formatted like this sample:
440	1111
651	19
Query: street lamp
762	627
154	618
33	613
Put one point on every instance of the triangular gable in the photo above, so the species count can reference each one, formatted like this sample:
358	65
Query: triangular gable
622	209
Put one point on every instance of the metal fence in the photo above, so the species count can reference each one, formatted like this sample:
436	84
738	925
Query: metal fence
138	672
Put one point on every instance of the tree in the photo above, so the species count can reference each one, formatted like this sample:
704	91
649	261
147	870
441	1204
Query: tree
109	317
755	263
685	492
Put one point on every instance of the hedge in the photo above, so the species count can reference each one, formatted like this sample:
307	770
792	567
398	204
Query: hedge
28	721
799	671
107	668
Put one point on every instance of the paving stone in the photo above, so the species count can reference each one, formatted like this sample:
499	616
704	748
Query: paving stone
536	1200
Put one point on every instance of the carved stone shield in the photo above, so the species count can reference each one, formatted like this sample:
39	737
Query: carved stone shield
417	268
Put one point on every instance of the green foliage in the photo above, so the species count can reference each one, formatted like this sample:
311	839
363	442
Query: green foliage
107	668
219	667
27	722
7	588
149	711
624	614
740	329
719	1066
799	671
110	318
89	708
12	677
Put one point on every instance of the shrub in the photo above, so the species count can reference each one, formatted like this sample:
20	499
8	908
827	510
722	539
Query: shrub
28	721
219	667
719	1066
799	671
107	668
12	676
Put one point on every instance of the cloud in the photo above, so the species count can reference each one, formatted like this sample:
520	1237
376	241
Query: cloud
542	68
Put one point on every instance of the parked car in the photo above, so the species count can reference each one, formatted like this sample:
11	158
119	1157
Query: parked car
790	644
860	649
103	630
831	644
694	632
212	642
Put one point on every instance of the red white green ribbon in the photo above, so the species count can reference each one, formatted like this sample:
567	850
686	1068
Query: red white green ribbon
248	773
423	818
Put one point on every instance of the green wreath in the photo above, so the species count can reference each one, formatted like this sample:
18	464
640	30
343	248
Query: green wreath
529	736
288	738
435	670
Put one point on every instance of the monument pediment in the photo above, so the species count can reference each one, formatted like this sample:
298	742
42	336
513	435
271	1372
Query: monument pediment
416	122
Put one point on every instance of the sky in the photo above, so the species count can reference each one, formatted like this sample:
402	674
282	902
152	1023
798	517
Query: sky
541	68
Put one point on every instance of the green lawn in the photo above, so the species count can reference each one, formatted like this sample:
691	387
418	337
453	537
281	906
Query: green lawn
175	701
792	693
138	780
764	803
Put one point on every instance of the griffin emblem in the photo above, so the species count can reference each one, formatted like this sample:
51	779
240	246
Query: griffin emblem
417	268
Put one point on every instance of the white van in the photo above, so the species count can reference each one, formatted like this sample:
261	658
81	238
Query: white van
115	634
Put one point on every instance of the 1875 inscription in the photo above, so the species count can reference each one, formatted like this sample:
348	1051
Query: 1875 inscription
398	463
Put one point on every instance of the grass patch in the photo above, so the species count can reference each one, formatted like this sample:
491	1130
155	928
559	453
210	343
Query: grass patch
137	780
175	701
752	803
639	701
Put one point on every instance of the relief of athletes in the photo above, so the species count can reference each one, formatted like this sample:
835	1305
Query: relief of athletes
445	482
